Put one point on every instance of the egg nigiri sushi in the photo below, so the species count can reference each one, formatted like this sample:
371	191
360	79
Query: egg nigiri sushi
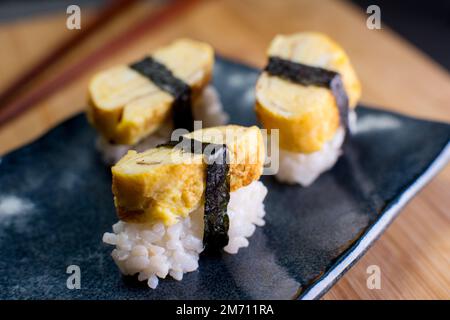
198	193
308	91
138	105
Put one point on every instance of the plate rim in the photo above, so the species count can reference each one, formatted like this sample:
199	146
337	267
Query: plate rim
357	250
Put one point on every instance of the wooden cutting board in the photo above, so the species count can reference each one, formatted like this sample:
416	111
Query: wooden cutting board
414	253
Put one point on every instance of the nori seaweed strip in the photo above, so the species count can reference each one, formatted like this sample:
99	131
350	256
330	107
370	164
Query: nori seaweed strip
217	192
217	196
308	75
165	80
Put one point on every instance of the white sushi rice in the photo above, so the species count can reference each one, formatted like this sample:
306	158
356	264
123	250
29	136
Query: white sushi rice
158	251
304	168
208	108
111	153
352	120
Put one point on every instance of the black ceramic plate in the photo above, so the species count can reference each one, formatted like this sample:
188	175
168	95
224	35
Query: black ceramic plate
56	203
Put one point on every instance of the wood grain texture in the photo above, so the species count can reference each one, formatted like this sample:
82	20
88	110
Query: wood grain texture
414	253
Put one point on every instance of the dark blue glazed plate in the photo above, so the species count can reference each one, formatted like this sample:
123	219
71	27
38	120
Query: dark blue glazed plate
56	203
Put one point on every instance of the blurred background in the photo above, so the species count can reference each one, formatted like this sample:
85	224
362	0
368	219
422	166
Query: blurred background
426	24
403	66
46	65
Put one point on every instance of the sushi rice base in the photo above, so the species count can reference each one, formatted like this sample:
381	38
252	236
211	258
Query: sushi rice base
303	168
157	251
208	109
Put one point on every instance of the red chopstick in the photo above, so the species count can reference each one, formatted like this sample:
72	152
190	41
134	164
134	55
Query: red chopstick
111	9
153	20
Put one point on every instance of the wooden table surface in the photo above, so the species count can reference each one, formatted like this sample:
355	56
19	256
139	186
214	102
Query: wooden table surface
414	253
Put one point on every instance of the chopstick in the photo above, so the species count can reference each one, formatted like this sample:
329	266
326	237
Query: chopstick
153	20
110	10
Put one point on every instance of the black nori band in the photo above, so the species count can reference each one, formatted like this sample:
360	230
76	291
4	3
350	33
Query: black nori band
217	196
165	80
217	192
315	76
